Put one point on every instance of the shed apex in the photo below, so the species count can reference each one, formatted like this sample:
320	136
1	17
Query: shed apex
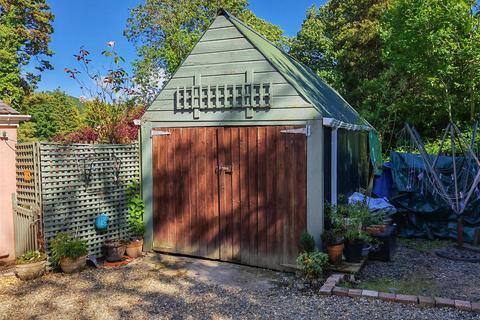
314	89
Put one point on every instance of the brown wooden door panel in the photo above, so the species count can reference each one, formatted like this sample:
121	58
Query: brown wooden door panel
230	193
185	205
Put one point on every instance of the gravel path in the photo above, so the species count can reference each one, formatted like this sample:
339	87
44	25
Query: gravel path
144	290
415	260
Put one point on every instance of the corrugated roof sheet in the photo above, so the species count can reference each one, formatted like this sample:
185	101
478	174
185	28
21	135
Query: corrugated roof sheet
316	91
6	109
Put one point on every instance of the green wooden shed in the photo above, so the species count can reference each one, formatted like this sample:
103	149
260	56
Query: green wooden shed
242	148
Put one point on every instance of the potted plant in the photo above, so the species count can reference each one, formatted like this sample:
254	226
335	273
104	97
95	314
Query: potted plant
69	252
355	240
355	237
334	242
334	236
114	250
135	219
375	224
30	265
134	247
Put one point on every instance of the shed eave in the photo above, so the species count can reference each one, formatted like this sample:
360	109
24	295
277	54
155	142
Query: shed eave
334	123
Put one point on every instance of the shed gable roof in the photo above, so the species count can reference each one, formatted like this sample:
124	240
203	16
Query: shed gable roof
321	95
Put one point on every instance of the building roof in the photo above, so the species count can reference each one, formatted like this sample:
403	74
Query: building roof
6	109
313	89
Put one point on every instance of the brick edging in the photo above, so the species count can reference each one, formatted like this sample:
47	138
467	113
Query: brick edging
330	288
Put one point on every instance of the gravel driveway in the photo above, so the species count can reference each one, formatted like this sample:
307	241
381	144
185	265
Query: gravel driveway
149	288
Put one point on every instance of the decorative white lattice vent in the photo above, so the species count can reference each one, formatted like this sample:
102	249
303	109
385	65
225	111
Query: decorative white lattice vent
245	95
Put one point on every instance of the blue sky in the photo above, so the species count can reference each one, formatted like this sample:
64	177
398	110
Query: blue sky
92	23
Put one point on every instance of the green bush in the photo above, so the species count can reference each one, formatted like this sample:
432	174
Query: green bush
307	243
136	208
31	256
312	264
66	246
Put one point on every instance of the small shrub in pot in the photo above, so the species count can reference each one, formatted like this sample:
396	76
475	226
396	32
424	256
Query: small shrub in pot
135	220
334	236
334	243
69	252
30	265
134	247
355	236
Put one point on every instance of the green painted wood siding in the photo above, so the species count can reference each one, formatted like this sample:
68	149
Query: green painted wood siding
224	56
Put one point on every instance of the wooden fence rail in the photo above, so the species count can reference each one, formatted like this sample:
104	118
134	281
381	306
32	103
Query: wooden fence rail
72	184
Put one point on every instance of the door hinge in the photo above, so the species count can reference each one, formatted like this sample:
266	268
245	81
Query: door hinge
159	133
306	131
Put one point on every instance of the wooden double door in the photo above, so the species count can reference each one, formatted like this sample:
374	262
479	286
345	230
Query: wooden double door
230	193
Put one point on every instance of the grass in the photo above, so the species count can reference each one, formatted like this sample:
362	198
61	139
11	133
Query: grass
418	284
423	246
415	286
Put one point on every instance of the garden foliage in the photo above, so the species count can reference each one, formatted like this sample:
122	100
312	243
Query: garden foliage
136	208
66	246
312	264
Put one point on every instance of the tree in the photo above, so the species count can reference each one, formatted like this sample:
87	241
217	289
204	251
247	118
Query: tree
53	113
25	29
313	47
397	61
165	31
341	41
111	100
433	58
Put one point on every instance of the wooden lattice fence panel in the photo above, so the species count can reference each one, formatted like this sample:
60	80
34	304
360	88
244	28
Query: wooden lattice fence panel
80	182
27	201
28	184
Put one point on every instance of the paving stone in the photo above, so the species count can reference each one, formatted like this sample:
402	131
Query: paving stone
337	277
370	294
463	305
386	296
340	291
330	283
406	298
354	292
444	302
426	301
326	290
476	306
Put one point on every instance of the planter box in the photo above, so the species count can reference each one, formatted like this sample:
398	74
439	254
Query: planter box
387	246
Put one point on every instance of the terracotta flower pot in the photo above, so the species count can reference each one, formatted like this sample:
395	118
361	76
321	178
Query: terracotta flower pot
375	228
29	271
73	265
134	248
335	253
